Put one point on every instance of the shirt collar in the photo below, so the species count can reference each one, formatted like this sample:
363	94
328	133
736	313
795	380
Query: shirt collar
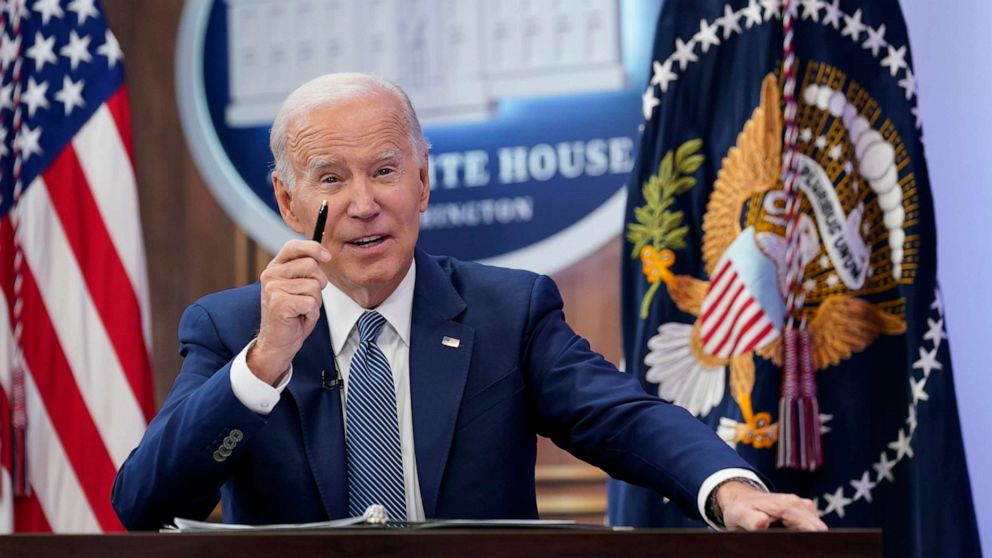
343	312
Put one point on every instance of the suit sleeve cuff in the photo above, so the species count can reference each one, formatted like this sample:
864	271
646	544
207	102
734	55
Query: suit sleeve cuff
254	393
715	480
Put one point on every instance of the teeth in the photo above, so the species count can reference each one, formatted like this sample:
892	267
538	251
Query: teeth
367	240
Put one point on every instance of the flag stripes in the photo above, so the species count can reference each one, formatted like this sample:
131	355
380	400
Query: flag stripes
105	158
83	298
732	321
106	280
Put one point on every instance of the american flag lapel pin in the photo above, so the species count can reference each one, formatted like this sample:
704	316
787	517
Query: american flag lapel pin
451	342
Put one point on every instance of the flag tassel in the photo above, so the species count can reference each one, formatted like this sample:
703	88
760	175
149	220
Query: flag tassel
800	443
22	486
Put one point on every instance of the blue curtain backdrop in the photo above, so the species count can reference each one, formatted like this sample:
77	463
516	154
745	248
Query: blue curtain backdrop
705	190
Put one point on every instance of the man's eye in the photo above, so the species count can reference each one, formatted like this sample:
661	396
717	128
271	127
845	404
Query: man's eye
330	180
384	171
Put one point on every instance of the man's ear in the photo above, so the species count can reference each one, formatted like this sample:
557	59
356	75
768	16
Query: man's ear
285	200
425	183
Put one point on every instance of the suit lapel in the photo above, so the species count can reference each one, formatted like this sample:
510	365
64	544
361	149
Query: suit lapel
321	418
438	371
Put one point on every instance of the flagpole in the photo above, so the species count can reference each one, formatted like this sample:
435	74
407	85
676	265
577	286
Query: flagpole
799	445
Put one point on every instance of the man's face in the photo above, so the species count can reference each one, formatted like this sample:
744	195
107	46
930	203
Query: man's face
358	157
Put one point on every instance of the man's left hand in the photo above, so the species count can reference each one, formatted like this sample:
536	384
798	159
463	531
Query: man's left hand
747	508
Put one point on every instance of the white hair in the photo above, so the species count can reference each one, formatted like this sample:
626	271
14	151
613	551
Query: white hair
330	90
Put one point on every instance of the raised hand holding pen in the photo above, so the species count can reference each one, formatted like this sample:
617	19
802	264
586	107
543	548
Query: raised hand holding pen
291	301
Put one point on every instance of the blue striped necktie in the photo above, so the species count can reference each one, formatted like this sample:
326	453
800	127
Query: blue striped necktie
375	461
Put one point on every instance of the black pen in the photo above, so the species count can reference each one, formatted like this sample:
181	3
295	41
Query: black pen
318	229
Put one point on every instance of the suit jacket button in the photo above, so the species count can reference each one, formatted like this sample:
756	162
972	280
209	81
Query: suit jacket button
226	452
229	443
218	457
236	435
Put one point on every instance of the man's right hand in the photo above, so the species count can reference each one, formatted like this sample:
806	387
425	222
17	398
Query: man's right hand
291	301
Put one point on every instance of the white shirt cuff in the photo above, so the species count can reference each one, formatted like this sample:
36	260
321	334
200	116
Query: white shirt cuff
254	393
713	481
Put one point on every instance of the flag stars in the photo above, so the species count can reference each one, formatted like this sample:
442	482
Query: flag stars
911	419
918	387
821	142
663	74
7	96
836	502
908	84
928	362
848	168
809	285
684	53
48	9
938	302
935	332
77	50
811	9
853	26
896	59
825	422
884	468
9	49
110	49
915	111
806	135
863	487
35	96
42	51
832	280
832	17
16	9
28	140
876	39
706	37
773	9
903	445
752	14
648	102
729	22
824	262
83	9
71	94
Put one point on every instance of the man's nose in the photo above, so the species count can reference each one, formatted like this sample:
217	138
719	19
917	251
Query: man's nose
363	204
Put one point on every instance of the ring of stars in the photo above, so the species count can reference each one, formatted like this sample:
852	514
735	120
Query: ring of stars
902	446
891	58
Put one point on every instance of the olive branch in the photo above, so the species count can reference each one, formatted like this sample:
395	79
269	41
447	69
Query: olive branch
657	226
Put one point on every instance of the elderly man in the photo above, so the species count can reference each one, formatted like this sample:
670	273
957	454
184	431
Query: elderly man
361	370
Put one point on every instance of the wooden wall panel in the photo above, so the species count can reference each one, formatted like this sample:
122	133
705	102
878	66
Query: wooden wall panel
194	248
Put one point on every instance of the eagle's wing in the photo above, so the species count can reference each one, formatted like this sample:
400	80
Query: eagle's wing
842	326
752	166
687	292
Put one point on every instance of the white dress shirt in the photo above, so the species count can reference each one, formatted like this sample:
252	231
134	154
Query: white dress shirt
342	316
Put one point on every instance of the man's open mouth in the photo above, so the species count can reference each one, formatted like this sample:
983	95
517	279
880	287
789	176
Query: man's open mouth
368	240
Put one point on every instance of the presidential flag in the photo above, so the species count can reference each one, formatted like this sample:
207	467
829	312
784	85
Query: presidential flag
75	378
721	269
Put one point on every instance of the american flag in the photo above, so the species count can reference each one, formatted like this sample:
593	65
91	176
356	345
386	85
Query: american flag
75	375
737	315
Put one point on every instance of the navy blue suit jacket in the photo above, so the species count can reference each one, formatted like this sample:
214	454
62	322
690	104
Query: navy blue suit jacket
519	371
